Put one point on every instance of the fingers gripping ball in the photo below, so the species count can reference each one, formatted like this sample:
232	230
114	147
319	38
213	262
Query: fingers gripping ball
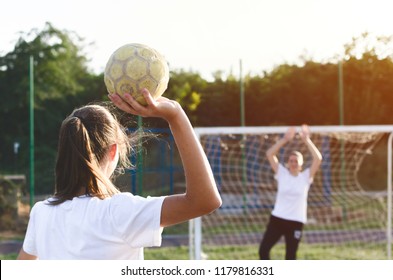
133	67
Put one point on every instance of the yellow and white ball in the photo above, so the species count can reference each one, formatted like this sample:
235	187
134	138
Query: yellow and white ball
133	67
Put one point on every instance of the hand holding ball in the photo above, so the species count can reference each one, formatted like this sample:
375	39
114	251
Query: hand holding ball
133	67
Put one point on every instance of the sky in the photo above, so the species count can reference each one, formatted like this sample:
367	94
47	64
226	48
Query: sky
205	36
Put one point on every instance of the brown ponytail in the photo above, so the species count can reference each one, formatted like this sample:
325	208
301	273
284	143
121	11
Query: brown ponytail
84	139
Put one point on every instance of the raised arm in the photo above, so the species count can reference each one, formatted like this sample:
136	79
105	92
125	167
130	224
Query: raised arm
316	155
201	196
273	150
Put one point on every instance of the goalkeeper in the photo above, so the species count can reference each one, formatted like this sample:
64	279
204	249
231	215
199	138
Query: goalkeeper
290	209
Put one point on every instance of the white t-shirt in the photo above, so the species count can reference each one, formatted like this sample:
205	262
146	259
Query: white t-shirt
90	228
292	192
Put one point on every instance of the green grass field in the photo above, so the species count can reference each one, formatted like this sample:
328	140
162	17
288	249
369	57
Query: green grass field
306	252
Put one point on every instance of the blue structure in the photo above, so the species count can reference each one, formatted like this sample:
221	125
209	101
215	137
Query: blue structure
164	163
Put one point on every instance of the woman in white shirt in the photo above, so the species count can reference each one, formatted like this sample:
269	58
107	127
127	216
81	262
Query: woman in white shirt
88	218
290	209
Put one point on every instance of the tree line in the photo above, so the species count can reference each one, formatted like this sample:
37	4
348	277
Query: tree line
286	95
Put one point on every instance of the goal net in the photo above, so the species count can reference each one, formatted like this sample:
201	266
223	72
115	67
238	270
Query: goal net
349	208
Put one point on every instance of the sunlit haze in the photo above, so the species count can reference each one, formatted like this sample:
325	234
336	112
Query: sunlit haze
205	35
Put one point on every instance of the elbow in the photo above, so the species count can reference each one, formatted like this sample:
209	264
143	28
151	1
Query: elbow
269	154
318	160
217	203
210	205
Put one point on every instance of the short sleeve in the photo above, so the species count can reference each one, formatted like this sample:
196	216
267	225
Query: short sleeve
280	170
306	174
137	219
29	244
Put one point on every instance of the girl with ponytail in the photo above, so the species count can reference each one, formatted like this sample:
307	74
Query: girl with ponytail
88	217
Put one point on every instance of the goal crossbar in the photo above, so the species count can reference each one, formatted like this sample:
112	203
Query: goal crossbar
282	129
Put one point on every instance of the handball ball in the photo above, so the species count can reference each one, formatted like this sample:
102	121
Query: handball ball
133	67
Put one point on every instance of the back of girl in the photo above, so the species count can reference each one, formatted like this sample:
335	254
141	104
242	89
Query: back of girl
88	217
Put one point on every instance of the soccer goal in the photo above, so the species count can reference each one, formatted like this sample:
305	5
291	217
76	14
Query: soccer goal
349	202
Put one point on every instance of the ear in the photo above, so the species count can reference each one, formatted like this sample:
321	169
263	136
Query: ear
112	151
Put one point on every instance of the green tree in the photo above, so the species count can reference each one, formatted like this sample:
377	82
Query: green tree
368	86
292	94
61	81
220	103
186	88
287	95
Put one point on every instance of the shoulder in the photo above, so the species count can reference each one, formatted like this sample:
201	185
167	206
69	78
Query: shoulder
126	197
306	173
281	171
125	208
39	211
39	206
128	202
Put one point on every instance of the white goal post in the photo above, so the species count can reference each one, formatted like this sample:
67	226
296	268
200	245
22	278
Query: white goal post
236	153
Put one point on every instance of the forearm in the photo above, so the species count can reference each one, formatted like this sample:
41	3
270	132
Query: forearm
273	150
313	149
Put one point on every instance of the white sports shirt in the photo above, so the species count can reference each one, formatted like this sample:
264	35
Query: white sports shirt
292	192
90	228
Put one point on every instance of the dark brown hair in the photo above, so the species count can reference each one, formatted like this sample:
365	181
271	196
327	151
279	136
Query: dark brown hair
84	141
